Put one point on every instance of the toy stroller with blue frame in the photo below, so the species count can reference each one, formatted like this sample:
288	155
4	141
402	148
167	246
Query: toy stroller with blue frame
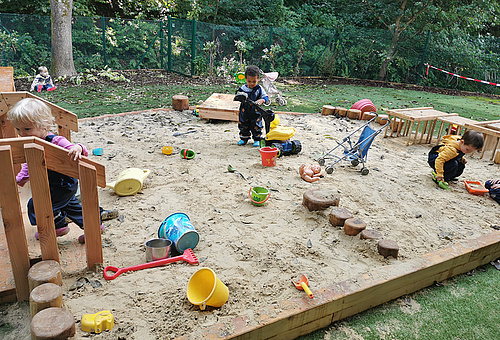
354	152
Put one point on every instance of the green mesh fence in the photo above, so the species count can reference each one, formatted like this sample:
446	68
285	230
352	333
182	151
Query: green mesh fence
196	48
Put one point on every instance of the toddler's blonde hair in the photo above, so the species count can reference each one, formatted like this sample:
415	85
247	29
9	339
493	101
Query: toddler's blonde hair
31	110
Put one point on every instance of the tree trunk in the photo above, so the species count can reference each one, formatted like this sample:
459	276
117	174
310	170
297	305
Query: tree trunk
62	47
390	55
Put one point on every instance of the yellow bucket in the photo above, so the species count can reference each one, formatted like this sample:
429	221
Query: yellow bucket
129	181
205	289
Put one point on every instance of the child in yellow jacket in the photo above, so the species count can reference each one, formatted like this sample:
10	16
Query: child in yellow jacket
447	159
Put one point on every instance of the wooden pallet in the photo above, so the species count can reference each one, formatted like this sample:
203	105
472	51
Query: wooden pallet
220	106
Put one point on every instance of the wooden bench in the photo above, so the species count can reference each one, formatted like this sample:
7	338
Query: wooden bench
406	119
449	122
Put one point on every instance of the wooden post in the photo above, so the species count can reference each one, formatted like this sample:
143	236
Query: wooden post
13	224
180	102
48	271
497	157
91	215
52	323
327	110
35	158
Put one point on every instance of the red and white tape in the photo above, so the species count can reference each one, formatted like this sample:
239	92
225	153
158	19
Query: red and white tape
459	76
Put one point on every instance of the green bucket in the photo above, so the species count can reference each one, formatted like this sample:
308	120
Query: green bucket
259	195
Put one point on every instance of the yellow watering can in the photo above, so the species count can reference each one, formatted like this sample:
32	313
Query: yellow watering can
129	181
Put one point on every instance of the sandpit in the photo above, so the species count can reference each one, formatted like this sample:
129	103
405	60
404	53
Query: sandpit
257	250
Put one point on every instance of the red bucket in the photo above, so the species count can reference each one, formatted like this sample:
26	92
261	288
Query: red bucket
269	156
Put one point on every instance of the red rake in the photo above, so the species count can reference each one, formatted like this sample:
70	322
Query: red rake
187	256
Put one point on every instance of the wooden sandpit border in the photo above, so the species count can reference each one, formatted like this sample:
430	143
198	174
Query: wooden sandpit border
295	317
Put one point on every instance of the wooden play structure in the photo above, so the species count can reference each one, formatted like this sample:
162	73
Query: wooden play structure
7	79
420	124
40	156
66	121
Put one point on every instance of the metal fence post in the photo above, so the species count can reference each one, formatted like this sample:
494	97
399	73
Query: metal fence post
103	26
169	47
422	59
161	44
193	47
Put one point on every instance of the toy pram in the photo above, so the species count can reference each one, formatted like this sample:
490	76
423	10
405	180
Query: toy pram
268	84
354	152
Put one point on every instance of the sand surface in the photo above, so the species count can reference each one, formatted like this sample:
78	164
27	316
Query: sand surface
257	251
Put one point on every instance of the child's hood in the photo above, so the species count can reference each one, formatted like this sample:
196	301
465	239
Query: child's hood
451	140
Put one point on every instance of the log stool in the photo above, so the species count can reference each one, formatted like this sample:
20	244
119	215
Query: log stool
353	226
381	119
52	323
327	110
341	111
367	115
353	113
338	216
180	102
44	272
44	296
319	199
370	234
388	248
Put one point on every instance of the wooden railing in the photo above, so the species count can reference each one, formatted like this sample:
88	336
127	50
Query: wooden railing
40	156
66	121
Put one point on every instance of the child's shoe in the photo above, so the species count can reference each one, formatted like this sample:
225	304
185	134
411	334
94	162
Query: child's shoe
242	142
51	88
256	143
39	88
109	214
59	232
81	238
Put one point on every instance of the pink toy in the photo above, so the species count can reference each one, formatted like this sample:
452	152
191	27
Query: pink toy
310	173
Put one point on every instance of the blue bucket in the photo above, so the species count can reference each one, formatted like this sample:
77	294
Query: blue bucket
178	229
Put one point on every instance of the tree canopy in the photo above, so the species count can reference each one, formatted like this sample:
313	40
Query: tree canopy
469	16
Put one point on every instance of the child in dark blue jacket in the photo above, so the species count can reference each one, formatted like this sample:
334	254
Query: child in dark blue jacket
250	121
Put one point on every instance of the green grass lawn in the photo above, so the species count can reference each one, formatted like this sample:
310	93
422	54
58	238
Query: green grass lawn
95	100
465	307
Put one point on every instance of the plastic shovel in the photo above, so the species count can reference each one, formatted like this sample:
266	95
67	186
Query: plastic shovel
303	284
231	169
187	256
183	133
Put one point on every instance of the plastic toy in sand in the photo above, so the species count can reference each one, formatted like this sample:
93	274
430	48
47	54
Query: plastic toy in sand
129	181
475	188
303	284
187	153
441	184
364	105
98	322
310	173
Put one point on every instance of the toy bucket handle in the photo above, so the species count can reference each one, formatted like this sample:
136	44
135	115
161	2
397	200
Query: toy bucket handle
264	201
